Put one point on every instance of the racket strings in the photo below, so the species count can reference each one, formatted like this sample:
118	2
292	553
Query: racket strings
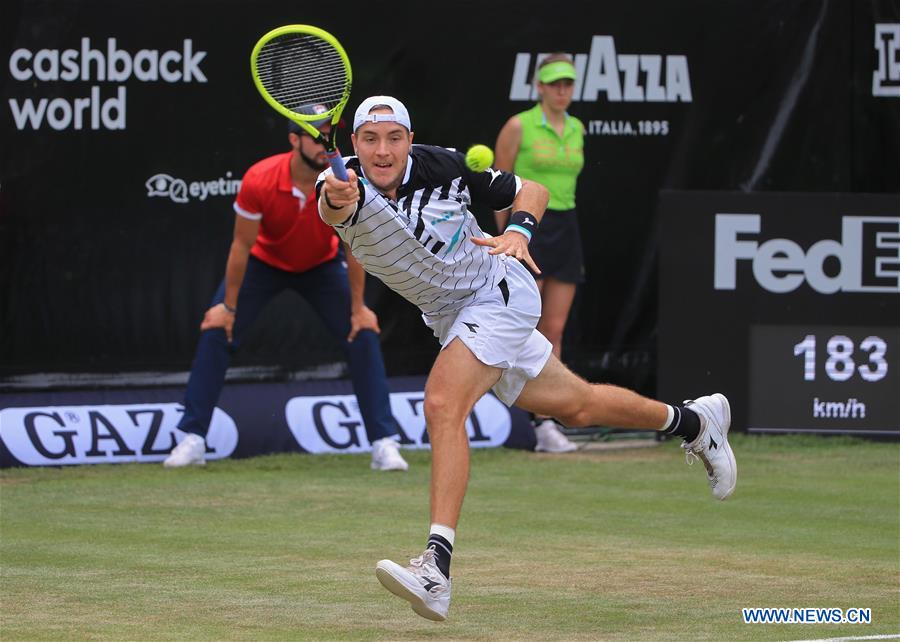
301	70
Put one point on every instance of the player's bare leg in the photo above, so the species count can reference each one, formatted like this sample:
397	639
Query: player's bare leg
456	382
560	393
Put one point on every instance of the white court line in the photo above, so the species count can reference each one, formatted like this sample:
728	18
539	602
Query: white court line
891	636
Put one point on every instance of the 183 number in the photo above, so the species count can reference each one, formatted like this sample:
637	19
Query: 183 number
840	364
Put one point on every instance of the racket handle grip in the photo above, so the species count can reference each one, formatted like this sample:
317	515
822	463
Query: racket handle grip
337	165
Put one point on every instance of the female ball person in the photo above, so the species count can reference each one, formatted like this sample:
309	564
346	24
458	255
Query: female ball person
545	144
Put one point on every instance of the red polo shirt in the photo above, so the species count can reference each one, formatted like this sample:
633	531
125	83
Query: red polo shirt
291	235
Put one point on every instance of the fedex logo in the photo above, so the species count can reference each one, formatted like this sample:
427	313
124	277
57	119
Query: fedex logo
867	256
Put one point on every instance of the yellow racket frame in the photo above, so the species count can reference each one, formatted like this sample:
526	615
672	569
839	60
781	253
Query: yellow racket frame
303	120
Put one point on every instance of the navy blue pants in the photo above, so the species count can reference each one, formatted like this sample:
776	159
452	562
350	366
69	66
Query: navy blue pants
327	289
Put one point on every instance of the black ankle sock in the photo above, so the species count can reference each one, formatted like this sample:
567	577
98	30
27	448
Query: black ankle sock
686	424
443	550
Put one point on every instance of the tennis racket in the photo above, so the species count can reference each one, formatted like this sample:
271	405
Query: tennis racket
300	65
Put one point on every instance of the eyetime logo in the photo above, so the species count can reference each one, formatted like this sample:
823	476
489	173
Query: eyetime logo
180	191
333	424
57	435
867	256
886	77
87	64
619	77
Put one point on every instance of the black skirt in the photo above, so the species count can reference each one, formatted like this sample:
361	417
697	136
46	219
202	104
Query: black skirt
556	247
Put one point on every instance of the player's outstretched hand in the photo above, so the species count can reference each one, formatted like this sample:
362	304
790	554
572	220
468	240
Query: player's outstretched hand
342	193
510	243
218	317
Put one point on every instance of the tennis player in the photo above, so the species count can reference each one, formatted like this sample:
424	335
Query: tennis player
405	215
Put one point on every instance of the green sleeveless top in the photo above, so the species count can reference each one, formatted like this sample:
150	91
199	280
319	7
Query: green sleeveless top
552	160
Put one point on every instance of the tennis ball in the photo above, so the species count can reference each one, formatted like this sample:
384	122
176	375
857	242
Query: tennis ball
479	158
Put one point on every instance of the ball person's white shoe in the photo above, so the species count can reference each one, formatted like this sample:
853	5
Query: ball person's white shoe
191	451
711	445
421	584
386	455
550	439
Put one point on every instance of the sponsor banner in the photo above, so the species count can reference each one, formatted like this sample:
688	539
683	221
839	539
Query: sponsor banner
139	425
794	308
605	75
886	77
333	424
178	190
867	256
104	434
97	97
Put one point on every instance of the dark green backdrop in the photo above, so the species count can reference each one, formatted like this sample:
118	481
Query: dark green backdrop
98	275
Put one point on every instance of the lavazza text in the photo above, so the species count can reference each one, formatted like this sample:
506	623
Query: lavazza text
92	108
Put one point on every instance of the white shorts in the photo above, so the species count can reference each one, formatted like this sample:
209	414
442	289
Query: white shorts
500	333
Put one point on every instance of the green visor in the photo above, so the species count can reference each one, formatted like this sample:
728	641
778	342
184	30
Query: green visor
556	71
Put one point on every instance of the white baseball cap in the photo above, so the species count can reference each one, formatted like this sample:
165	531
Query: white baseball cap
400	115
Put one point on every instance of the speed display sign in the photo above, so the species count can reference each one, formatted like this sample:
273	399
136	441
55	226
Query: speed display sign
824	378
788	303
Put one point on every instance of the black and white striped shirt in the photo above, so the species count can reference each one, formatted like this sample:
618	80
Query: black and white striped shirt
420	245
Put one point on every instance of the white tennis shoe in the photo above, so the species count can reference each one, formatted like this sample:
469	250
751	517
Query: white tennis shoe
421	584
711	445
550	439
190	452
386	455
